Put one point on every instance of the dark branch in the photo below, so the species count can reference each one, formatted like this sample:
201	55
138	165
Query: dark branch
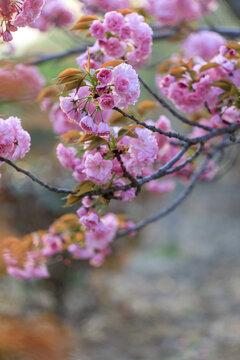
33	178
173	31
169	209
169	134
163	170
126	173
60	55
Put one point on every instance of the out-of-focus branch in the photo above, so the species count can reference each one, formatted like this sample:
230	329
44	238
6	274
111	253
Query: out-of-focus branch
169	209
173	31
160	35
35	179
58	56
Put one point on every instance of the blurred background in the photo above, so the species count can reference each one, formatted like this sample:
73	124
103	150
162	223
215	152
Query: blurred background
171	293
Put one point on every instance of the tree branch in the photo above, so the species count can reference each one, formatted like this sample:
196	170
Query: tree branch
173	31
163	170
33	178
165	34
169	209
191	141
169	134
126	173
60	55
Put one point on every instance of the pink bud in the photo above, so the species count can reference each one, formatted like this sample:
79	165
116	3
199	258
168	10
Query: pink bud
88	125
104	76
103	129
7	36
106	102
97	260
82	211
101	89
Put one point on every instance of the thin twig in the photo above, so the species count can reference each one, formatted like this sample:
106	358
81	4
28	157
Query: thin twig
168	33
60	55
165	34
164	169
126	173
187	161
191	141
169	209
35	179
169	134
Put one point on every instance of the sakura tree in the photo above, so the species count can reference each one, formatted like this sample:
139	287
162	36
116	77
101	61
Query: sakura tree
107	142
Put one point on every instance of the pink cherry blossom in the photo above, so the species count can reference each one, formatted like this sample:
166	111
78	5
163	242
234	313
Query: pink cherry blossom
20	82
97	260
144	149
172	12
103	129
204	44
121	36
97	29
70	108
61	123
66	156
14	141
88	125
76	107
16	14
126	85
52	244
97	169
106	101
31	10
104	76
113	22
90	222
34	267
87	202
125	32
160	187
114	48
164	124
79	252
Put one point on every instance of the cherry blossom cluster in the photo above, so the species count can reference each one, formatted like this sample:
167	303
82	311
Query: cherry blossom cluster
33	266
14	141
203	44
86	237
173	12
114	157
19	82
91	106
141	153
119	36
18	13
197	84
